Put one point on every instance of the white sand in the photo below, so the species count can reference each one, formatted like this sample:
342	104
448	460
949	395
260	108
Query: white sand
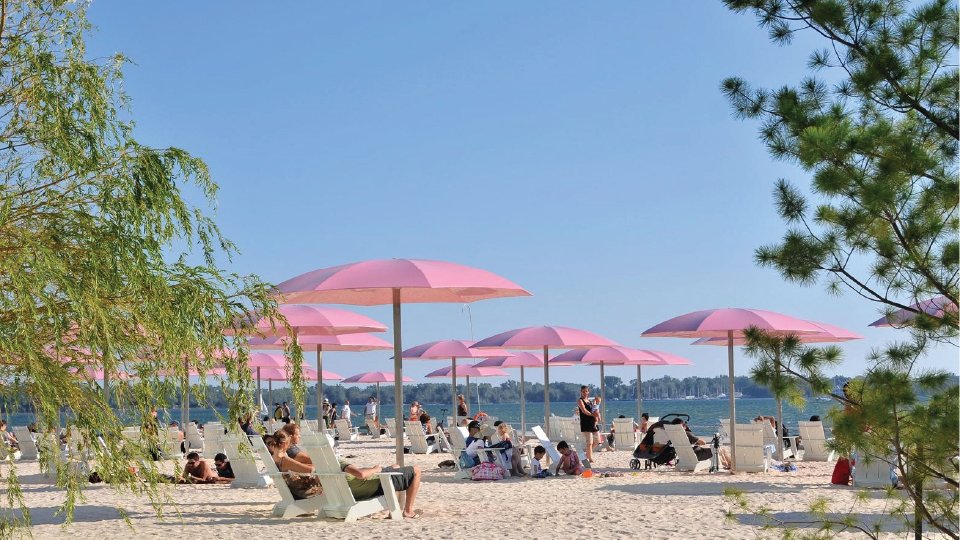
658	504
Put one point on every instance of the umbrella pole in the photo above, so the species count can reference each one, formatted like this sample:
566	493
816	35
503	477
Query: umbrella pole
453	384
639	396
779	428
733	404
469	396
270	391
320	379
523	415
379	414
259	390
603	395
398	375
546	388
185	398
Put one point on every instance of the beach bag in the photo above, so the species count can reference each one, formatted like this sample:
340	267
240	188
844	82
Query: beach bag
841	472
487	471
468	462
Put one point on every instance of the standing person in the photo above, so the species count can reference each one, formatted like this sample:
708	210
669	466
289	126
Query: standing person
588	422
326	412
462	406
333	412
370	409
286	413
277	412
346	413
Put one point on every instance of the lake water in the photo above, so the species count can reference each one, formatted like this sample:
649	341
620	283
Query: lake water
704	413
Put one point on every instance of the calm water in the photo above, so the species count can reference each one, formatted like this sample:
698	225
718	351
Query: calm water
704	413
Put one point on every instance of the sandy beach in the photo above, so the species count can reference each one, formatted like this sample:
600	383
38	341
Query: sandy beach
647	504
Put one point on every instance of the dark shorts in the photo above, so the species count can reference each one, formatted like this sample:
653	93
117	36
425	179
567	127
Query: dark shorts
400	481
703	454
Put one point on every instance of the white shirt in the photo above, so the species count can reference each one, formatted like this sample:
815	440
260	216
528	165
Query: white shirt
345	412
371	409
535	467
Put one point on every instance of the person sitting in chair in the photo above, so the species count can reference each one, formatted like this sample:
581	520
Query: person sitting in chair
701	449
303	485
293	431
365	484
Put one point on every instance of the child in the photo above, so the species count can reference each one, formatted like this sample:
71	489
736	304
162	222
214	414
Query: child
569	461
536	471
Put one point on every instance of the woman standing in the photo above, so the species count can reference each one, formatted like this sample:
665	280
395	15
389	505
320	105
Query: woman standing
462	406
588	422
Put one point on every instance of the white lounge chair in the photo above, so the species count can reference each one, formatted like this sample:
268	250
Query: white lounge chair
458	445
551	449
751	453
288	506
815	442
770	440
420	442
872	471
313	425
624	438
345	432
686	458
391	427
338	501
373	428
170	442
28	447
212	438
724	431
194	441
244	464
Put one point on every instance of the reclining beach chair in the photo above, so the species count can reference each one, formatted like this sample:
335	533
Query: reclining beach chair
686	458
193	439
212	438
372	427
288	506
724	431
458	445
815	442
751	452
28	447
420	442
552	448
244	464
391	427
345	432
770	440
170	442
624	438
873	471
312	425
337	500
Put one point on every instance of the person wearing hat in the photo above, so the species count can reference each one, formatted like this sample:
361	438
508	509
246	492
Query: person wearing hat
474	441
326	411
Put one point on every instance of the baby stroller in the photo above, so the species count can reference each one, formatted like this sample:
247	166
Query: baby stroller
654	453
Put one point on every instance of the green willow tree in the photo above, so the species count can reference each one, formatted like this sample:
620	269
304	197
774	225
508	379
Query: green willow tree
91	274
879	220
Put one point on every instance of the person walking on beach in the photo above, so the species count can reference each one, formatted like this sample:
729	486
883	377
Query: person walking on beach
588	422
277	412
286	413
346	413
326	412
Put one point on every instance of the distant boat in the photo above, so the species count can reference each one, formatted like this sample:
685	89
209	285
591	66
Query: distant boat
721	395
694	397
738	395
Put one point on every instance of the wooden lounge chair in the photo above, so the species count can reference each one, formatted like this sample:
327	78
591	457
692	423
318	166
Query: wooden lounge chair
373	428
551	448
724	431
420	442
288	506
815	442
244	464
873	471
338	501
345	432
171	444
751	452
193	440
624	438
391	427
770	439
212	438
458	445
686	458
28	447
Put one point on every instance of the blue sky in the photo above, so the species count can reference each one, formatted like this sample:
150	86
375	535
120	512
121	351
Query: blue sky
581	150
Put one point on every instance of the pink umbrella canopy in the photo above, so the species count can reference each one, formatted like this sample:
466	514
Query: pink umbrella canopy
935	307
520	360
377	377
466	370
828	334
729	323
309	373
544	337
396	281
316	320
343	342
452	349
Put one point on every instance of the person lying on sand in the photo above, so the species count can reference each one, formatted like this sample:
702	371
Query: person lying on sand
198	471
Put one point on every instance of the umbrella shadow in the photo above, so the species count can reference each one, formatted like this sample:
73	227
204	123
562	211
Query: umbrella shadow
700	489
804	520
48	515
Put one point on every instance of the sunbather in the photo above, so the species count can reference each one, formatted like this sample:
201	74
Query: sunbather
293	431
569	461
198	471
365	484
302	485
224	469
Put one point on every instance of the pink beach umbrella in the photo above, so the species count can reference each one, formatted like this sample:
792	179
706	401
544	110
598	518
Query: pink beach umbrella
377	377
828	334
452	349
729	323
319	343
620	356
937	307
545	337
467	370
397	281
517	360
